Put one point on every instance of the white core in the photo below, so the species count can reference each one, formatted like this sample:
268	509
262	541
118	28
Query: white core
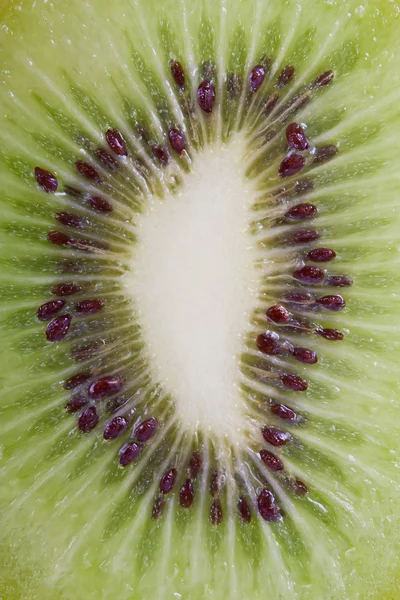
195	285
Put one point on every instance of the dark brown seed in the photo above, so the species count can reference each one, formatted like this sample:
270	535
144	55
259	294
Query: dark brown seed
177	140
339	281
145	430
325	153
161	154
76	403
267	506
88	419
284	412
322	80
49	309
129	453
304	236
99	204
70	220
332	303
256	78
186	494
58	238
206	96
46	180
296	137
57	329
87	171
330	334
275	437
278	314
106	159
116	142
115	427
321	255
244	510
268	344
76	380
214	482
300	488
195	464
88	307
271	103
304	355
105	386
65	289
168	481
291	165
233	85
86	351
271	461
286	75
301	211
158	507
307	274
298	298
178	73
293	382
216	512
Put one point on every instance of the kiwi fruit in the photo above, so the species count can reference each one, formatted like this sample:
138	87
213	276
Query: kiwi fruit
199	279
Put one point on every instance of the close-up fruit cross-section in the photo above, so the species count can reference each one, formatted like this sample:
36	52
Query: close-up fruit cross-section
199	300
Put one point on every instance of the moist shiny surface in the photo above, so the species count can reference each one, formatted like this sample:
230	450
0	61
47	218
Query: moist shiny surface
112	487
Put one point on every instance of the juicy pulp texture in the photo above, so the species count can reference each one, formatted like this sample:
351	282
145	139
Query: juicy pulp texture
105	499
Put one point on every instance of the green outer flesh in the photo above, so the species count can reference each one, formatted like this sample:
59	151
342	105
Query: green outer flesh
61	539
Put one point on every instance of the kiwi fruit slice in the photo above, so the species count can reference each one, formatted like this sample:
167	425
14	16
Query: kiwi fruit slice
199	283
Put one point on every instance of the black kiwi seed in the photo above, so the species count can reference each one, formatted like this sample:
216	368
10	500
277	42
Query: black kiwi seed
46	180
244	510
186	494
116	142
71	220
49	309
178	73
177	140
58	328
106	159
88	419
267	506
291	165
256	78
76	403
87	171
206	96
285	76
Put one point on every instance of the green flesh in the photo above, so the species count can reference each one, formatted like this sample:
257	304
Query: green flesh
74	524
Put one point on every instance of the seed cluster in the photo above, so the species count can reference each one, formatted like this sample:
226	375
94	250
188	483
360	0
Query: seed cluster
98	394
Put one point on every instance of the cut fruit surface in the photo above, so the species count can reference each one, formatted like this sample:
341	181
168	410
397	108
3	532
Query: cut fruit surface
199	240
